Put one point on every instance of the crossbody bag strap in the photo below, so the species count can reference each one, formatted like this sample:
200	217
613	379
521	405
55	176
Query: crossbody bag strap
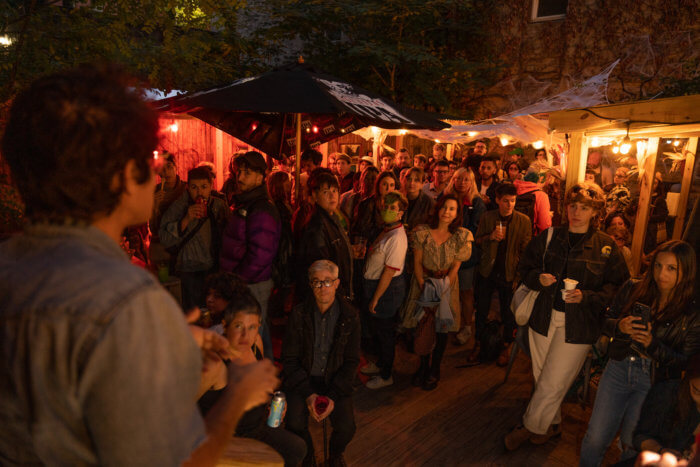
550	232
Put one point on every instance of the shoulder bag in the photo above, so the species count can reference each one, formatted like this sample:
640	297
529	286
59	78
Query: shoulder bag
524	298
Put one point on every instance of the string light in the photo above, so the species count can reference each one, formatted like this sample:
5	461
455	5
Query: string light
676	143
314	129
155	154
616	149
504	141
437	141
472	134
403	132
537	144
173	128
254	126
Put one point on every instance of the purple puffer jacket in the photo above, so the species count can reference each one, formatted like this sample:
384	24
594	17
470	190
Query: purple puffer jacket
252	236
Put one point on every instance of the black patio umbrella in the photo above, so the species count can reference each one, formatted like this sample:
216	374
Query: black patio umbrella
269	110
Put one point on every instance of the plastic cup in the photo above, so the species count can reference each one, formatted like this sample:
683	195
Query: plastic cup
563	294
163	273
570	284
320	404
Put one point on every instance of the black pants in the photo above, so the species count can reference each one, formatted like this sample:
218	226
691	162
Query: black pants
384	334
342	420
484	290
290	446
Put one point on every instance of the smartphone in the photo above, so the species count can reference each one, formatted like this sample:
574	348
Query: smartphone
643	312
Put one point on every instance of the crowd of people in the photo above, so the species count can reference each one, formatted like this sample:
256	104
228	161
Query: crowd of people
418	248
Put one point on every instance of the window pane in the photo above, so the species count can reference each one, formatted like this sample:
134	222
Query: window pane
551	7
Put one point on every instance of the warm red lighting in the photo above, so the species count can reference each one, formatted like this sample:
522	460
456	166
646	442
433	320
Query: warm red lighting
315	129
254	126
174	128
155	154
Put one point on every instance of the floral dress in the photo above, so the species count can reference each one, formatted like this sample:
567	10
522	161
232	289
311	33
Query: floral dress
458	247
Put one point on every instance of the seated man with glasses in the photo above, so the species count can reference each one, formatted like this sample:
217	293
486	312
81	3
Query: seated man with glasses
320	355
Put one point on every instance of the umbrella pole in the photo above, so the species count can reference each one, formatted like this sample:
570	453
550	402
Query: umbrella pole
298	161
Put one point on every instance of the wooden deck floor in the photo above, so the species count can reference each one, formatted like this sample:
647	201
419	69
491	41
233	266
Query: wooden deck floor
462	422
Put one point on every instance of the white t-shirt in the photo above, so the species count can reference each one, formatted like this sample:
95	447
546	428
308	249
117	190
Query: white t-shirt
389	250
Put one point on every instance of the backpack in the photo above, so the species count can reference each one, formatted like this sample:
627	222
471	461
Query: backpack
525	204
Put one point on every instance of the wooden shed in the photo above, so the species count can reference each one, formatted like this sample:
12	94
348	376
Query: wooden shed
645	122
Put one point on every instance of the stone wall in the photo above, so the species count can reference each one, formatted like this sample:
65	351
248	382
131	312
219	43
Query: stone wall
656	40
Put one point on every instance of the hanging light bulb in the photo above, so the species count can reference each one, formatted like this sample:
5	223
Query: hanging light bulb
625	146
437	141
504	140
616	149
538	144
173	128
595	142
472	134
676	143
314	129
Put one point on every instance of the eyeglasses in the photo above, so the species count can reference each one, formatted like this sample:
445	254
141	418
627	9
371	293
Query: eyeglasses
327	283
592	193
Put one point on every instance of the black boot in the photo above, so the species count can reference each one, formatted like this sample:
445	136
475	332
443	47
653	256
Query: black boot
419	377
431	381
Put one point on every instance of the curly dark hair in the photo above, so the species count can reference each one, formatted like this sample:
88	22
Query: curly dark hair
435	218
224	283
69	134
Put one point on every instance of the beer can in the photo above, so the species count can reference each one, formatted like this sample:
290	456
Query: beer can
276	409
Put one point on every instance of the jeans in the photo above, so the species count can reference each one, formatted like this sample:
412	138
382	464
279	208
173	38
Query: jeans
342	420
484	291
618	404
262	292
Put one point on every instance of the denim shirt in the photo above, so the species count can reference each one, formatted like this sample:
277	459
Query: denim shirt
97	365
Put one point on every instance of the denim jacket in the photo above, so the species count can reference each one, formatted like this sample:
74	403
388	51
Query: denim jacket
97	363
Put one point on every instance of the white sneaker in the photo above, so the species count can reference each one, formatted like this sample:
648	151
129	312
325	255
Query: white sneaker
464	335
370	369
379	382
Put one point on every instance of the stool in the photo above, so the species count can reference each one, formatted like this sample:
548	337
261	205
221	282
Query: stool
247	452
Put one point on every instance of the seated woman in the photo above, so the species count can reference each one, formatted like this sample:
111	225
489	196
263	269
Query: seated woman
241	321
665	343
671	415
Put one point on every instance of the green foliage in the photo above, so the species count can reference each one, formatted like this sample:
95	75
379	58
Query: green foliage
173	44
422	53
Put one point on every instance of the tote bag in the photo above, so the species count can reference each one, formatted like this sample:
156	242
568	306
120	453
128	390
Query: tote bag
523	298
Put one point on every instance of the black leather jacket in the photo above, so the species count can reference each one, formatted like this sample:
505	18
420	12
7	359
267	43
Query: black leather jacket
298	350
596	263
324	238
673	342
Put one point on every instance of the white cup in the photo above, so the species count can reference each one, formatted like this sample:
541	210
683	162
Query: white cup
563	294
570	284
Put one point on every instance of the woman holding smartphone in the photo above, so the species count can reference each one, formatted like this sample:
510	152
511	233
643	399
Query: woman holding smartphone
655	327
